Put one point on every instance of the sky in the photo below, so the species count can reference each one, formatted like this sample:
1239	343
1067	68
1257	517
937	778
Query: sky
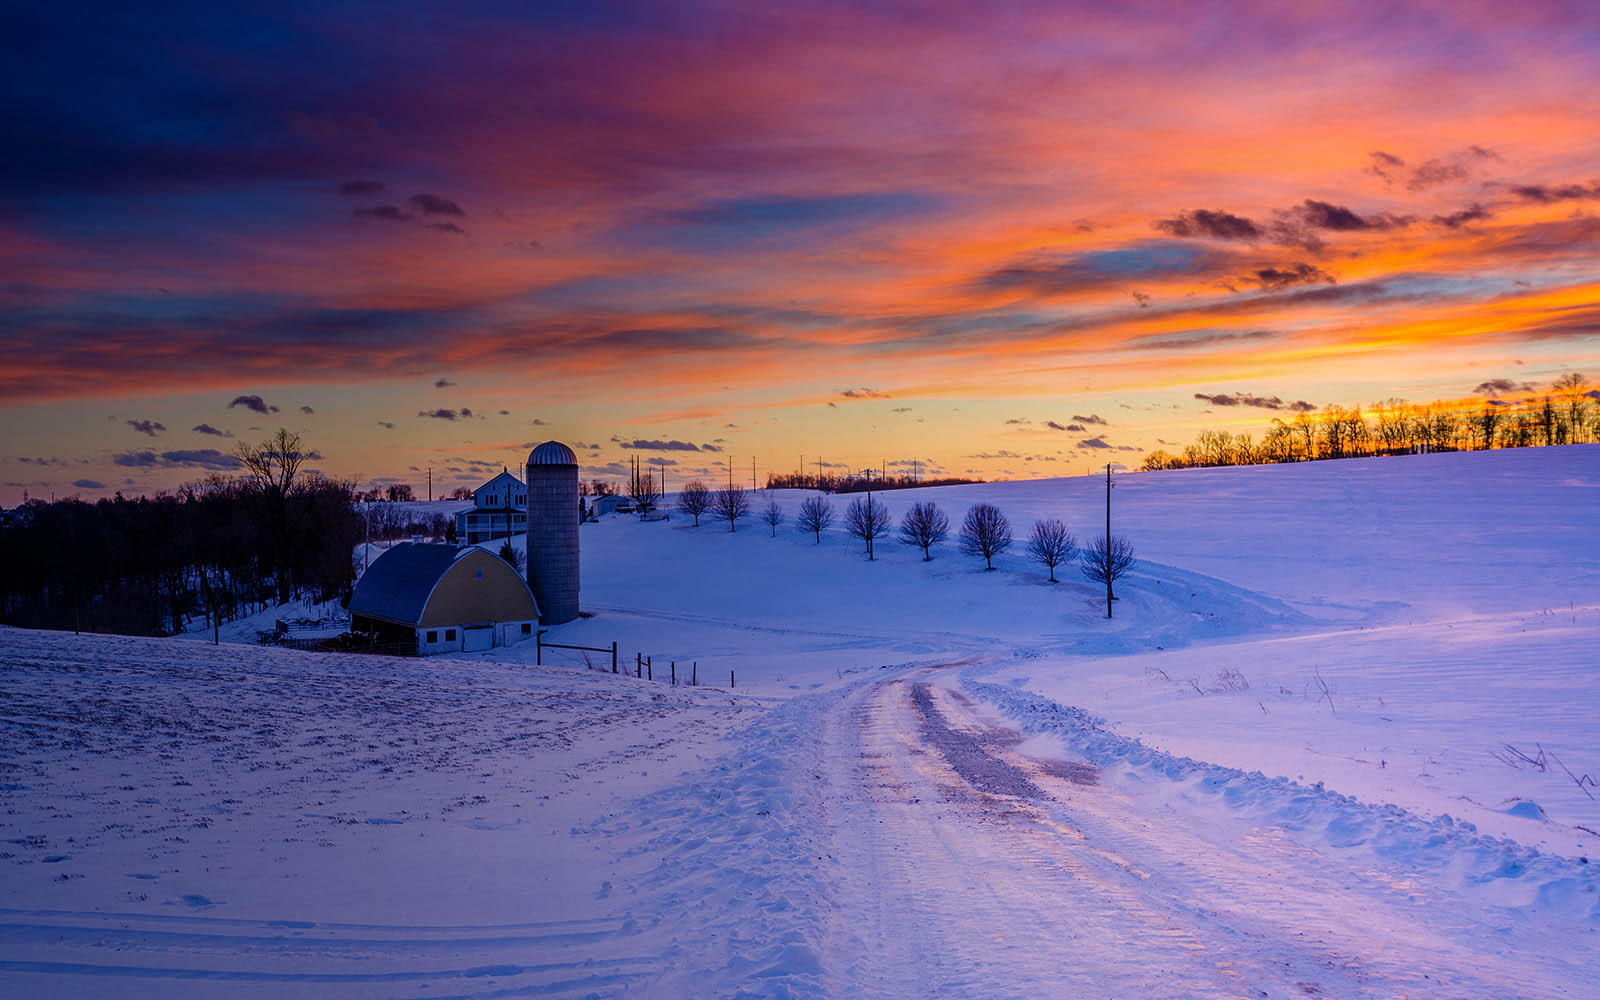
999	240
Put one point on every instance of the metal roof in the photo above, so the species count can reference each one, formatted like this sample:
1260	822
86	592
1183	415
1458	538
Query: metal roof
552	453
397	585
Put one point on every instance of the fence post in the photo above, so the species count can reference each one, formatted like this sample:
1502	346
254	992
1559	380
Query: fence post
649	669
674	673
730	678
694	673
538	647
613	656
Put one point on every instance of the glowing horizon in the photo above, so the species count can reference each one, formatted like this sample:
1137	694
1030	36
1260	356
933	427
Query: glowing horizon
915	232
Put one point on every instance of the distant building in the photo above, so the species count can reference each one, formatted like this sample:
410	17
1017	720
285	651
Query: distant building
610	504
499	510
444	599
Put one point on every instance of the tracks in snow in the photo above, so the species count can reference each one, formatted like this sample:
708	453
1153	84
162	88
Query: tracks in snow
968	868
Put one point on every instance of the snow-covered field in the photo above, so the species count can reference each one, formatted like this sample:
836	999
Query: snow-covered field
1336	742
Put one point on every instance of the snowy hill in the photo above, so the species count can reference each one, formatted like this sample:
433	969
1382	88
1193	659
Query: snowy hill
1336	698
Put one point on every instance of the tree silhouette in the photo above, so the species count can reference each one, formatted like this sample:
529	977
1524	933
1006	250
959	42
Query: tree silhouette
816	514
867	520
985	532
924	526
694	500
1051	544
1107	561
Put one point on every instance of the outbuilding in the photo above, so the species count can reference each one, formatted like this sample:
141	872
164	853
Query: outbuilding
443	599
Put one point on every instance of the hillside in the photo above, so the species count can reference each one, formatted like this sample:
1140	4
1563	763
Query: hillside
1335	697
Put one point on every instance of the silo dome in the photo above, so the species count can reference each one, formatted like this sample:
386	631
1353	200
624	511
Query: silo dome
552	453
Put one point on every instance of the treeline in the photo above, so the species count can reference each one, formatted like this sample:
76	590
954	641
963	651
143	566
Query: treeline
858	484
217	549
1565	415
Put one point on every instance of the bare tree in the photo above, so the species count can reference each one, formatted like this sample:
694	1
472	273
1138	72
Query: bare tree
1051	545
867	520
272	468
924	526
644	491
1571	387
816	514
694	500
730	504
1107	561
985	532
773	515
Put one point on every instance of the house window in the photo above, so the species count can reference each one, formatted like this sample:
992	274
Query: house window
527	629
433	637
449	635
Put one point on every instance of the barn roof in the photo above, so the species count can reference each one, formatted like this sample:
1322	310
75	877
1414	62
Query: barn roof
397	585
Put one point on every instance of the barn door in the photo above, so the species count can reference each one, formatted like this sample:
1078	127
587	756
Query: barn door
475	639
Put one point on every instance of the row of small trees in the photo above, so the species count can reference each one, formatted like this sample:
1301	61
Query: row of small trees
1564	415
985	530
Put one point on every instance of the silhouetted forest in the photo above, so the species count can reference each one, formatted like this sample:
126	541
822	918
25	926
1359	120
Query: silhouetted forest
1566	414
828	483
213	550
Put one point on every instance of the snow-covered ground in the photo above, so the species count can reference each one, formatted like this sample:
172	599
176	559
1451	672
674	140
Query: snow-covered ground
1336	741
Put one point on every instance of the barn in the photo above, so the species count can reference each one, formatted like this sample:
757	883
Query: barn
443	599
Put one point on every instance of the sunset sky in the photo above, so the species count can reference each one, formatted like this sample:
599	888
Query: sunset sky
1005	240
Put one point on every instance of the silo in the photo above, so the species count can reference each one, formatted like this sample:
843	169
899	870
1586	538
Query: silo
553	531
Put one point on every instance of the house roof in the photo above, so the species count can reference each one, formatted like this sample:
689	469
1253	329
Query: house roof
498	476
396	587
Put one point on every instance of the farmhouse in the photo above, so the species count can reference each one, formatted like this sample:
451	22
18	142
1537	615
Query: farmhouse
499	510
611	503
443	598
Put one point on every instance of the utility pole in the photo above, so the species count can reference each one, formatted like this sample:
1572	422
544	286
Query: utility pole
430	484
752	473
1109	598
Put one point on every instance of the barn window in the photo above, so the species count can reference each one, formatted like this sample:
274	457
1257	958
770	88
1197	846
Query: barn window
449	635
527	629
433	637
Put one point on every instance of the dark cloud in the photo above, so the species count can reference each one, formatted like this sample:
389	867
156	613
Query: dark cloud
1142	299
992	456
1336	218
1495	386
386	425
1385	165
1094	442
447	227
536	422
432	204
42	461
362	189
207	458
1546	193
863	393
443	383
88	484
1194	340
150	427
1455	220
255	403
1019	420
1076	427
388	213
208	429
1298	273
1250	399
1434	173
1203	222
307	409
901	409
1058	427
440	414
1090	419
639	444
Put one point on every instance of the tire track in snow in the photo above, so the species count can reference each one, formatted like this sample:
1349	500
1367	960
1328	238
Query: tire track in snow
968	869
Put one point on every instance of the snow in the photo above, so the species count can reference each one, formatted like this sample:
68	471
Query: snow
1334	742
